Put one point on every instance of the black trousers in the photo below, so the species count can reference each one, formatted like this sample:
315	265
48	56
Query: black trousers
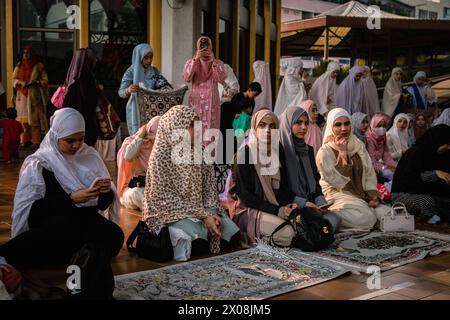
52	241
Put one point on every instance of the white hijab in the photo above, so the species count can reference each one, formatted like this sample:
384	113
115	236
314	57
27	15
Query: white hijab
73	172
292	90
392	94
262	76
444	118
326	161
231	87
399	138
323	91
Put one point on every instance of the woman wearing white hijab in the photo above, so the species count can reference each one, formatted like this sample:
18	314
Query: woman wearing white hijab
292	91
262	76
370	101
398	137
229	87
348	179
324	89
393	96
59	206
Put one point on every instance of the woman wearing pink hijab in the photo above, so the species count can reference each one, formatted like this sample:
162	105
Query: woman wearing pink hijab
378	149
132	163
314	136
205	72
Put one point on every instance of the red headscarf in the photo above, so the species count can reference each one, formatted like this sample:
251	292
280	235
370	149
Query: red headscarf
26	67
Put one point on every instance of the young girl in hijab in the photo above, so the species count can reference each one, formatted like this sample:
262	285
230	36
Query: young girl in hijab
378	149
397	137
59	204
260	199
422	178
418	92
30	82
140	72
292	90
370	102
205	72
350	93
348	178
81	91
132	163
324	89
420	125
182	194
299	165
360	124
314	135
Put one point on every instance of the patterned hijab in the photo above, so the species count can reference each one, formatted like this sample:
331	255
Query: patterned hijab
176	191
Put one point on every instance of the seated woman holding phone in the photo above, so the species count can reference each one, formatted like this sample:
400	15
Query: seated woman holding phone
297	161
64	200
348	177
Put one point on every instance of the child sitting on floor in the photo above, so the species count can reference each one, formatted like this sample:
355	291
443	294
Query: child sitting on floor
12	129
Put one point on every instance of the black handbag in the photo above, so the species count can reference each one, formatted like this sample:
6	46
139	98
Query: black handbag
155	247
312	231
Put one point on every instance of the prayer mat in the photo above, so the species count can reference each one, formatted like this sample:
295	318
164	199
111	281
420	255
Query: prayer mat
357	251
154	103
256	273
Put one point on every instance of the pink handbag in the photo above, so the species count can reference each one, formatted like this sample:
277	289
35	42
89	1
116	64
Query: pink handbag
58	96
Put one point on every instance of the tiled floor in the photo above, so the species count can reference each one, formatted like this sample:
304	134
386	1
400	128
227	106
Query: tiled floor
429	279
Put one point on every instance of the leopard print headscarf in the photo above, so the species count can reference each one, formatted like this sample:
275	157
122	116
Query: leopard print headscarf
176	191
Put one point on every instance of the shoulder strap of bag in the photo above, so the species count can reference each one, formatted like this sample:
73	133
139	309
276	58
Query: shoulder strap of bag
277	229
133	237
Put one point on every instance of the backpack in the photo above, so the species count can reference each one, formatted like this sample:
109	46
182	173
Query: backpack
312	231
97	280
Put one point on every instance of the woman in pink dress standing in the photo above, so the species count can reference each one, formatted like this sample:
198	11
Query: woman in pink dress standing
204	71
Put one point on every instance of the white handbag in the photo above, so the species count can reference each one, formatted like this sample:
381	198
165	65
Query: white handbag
398	220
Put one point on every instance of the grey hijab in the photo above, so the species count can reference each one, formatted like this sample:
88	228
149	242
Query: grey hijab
357	119
298	164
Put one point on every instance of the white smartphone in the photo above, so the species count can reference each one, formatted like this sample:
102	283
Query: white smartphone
100	180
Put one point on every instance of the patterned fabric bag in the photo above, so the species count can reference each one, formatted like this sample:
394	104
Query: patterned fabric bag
108	120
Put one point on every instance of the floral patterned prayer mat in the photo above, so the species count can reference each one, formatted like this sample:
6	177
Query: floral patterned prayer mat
256	273
358	251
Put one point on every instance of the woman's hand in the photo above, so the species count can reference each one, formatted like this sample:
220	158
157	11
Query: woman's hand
211	224
142	133
84	195
285	212
105	186
312	205
443	176
374	203
133	89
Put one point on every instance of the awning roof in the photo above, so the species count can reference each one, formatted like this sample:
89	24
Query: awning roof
307	37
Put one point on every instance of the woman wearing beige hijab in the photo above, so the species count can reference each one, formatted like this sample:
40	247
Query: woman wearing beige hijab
393	96
324	89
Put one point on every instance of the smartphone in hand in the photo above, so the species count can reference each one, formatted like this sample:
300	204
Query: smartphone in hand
99	181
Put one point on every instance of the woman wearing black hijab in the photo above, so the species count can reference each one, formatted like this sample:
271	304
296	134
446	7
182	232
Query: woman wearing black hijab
82	91
422	178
